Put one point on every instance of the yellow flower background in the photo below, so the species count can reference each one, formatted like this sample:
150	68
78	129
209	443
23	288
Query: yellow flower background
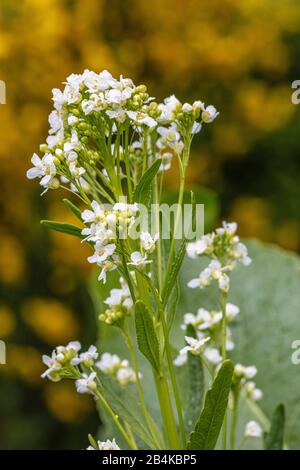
241	56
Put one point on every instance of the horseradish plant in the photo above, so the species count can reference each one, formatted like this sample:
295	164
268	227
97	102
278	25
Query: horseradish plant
109	144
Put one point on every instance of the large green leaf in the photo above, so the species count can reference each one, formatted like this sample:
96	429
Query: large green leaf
268	294
142	192
209	424
274	438
175	267
146	335
73	208
62	227
196	386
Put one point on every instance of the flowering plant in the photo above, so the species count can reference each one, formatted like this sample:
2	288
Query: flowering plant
109	144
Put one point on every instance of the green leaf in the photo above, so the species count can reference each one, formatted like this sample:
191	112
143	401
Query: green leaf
142	192
146	335
196	386
92	441
62	227
210	422
172	304
76	211
273	440
171	281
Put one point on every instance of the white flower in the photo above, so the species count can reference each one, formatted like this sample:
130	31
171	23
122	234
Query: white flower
252	391
195	249
97	233
212	355
200	247
241	253
58	98
102	252
71	95
125	375
166	158
109	363
195	346
55	121
118	114
180	360
108	445
141	118
147	242
73	143
170	138
94	215
124	207
196	128
168	107
76	171
72	119
209	114
43	168
231	311
120	297
224	282
112	365
203	320
86	358
106	267
53	367
246	372
61	357
253	429
87	384
187	108
116	96
227	227
214	271
137	259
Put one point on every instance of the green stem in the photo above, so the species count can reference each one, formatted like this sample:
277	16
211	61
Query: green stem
158	248
183	167
166	411
140	390
127	163
161	383
173	380
224	339
115	419
233	423
224	325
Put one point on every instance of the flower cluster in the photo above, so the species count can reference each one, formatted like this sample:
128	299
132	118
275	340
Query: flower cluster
117	368
208	328
242	381
104	229
119	304
67	362
253	429
105	445
225	249
94	107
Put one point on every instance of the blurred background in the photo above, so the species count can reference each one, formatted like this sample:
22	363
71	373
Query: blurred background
240	56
